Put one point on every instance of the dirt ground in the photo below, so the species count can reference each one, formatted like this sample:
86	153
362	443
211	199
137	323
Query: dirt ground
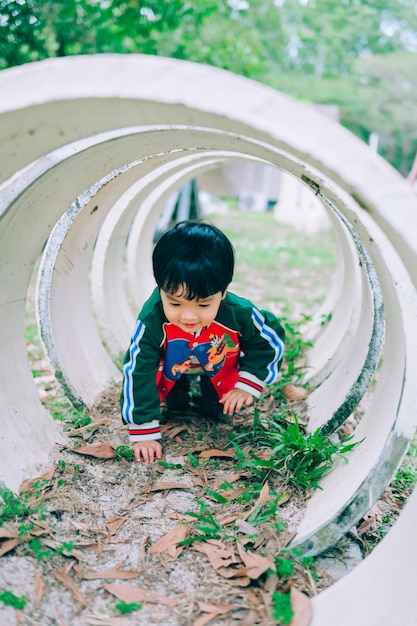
105	530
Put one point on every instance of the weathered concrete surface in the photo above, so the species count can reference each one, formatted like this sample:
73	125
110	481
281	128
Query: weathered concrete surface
380	591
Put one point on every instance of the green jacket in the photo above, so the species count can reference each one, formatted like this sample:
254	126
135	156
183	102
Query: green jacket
242	347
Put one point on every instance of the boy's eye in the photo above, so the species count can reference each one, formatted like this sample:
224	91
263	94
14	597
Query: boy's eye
175	304
203	305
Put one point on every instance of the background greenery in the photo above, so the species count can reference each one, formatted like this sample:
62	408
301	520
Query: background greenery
360	55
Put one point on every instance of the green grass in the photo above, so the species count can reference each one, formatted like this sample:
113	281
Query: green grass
277	267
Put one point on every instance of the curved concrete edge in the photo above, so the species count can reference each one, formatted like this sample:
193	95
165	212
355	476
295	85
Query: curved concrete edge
389	422
344	318
380	591
98	91
369	338
85	384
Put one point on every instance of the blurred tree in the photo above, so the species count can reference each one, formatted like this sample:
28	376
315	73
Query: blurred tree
345	52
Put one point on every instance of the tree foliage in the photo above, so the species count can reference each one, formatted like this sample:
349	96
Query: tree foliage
358	54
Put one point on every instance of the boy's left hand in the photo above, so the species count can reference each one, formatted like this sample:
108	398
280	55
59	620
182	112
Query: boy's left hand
234	399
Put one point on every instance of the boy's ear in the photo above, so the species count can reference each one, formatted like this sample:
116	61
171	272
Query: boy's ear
224	294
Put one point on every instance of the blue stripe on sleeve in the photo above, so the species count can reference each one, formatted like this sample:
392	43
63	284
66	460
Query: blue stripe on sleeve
128	369
276	343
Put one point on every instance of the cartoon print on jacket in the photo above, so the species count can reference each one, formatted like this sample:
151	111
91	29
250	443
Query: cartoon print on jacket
208	357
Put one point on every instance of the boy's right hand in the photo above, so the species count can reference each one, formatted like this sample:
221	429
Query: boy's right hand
148	451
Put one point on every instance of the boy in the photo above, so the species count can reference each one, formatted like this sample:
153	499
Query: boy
192	324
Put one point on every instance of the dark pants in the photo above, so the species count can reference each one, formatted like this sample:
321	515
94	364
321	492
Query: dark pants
179	398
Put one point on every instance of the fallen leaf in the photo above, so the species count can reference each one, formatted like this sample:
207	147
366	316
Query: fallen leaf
8	532
167	486
114	522
208	454
256	565
168	543
204	619
26	486
261	501
66	580
87	530
172	431
9	545
103	450
39	587
119	574
138	594
229	478
217	553
214	608
235	576
246	528
212	612
301	605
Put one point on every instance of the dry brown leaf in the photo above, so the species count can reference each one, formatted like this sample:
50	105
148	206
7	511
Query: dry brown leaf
291	392
119	574
204	619
87	530
246	528
212	612
229	478
167	486
138	594
256	565
261	501
66	580
219	609
217	553
39	587
208	454
172	431
103	450
301	605
168	543
8	532
27	485
197	481
114	522
9	545
235	576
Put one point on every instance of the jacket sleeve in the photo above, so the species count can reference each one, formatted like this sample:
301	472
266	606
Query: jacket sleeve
139	400
262	345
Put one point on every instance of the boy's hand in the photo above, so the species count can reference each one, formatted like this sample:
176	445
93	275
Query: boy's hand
234	399
149	451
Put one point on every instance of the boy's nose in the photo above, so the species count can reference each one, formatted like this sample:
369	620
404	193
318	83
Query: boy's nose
189	315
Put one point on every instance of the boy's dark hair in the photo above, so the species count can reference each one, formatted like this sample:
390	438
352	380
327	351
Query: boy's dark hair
196	256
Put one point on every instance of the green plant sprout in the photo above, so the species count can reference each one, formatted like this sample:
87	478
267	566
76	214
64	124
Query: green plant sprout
10	599
124	452
282	610
127	607
304	458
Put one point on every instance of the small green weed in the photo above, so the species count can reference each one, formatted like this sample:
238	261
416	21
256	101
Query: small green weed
127	607
12	508
124	452
282	610
406	476
10	599
205	527
304	457
78	419
294	365
36	549
170	465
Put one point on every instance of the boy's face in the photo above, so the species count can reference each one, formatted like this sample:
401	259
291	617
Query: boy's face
190	315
